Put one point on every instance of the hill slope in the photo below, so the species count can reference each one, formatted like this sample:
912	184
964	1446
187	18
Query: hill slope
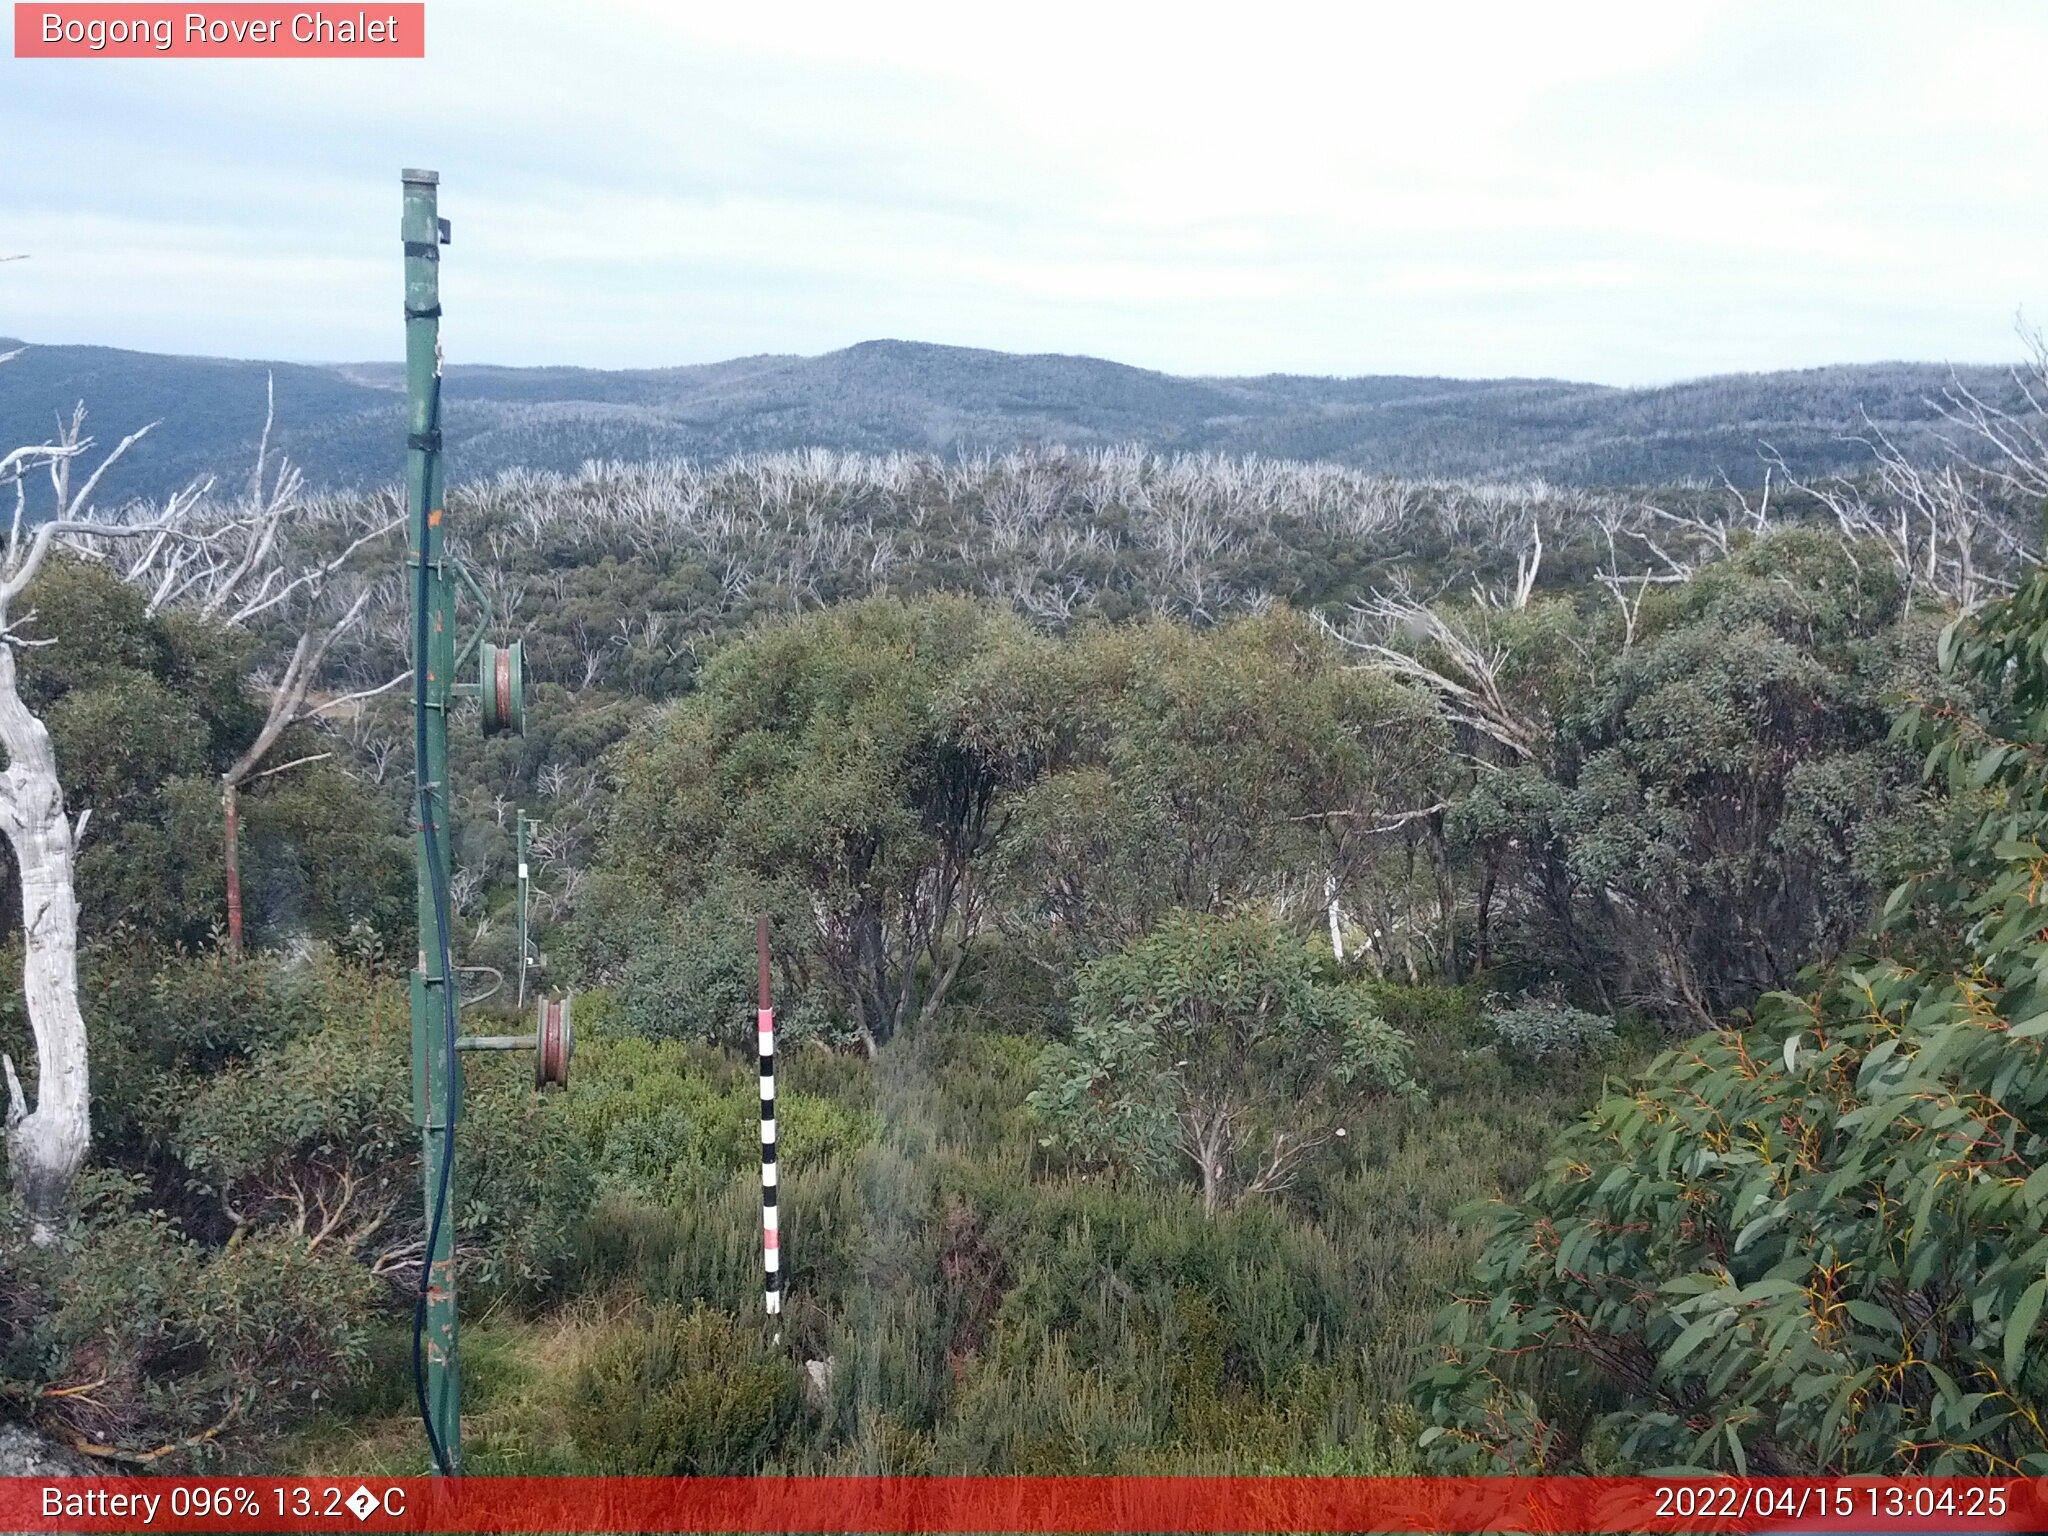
342	423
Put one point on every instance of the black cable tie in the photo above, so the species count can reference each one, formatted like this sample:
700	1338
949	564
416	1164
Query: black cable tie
423	314
426	250
426	442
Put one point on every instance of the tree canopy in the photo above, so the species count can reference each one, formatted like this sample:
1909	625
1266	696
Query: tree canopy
145	711
1816	1244
1212	1042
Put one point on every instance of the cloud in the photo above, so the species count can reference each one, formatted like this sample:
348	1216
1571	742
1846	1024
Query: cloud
1597	190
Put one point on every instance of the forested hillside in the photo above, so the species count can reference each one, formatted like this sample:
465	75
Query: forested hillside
1195	881
889	396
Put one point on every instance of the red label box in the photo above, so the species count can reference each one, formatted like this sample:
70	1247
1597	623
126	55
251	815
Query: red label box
1705	1505
237	31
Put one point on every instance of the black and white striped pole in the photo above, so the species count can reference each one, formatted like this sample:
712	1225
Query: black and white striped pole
771	1233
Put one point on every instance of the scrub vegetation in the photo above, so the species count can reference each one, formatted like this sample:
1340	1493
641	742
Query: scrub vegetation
1279	969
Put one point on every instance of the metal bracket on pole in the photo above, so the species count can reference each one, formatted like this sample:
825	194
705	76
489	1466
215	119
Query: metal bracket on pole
486	616
552	1042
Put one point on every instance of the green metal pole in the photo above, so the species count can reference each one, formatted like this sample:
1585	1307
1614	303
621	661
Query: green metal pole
432	1061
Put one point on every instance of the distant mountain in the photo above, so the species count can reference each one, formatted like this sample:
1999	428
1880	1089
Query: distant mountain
343	423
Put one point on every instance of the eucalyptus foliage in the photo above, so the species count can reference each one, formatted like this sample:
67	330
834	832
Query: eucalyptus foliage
145	712
1203	770
826	765
1817	1244
1734	810
1212	1041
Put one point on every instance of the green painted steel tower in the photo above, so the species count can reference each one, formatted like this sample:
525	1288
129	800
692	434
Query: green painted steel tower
500	693
436	1085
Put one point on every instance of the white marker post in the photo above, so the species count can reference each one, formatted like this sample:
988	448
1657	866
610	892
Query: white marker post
771	1234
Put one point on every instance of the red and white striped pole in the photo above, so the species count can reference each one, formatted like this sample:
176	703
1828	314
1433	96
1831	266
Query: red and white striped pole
771	1235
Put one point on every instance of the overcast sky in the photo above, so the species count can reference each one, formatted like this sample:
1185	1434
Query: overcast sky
1626	192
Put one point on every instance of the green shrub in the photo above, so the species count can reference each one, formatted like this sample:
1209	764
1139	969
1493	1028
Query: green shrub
287	1324
1214	1042
525	1180
316	1133
690	971
828	770
188	1346
1051	1417
657	1115
1432	1012
684	1394
696	988
1541	1033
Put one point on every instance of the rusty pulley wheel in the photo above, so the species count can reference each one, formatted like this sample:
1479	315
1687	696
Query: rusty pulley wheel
501	688
554	1043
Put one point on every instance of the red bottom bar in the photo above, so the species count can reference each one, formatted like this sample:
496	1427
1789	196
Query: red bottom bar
1026	1504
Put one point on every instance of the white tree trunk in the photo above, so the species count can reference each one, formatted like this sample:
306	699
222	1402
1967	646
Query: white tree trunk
45	1148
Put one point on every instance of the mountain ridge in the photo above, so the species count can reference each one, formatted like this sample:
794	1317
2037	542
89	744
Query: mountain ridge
342	421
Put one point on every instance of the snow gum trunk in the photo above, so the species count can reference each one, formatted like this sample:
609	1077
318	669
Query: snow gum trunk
46	1146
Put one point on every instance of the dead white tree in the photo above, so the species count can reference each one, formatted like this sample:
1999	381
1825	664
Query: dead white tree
1528	562
2016	438
373	746
1466	672
47	1145
1960	528
1933	521
1629	587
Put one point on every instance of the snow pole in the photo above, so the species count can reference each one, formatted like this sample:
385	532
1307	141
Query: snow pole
771	1232
526	826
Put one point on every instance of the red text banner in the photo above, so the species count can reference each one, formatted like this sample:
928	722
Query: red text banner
232	31
912	1506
